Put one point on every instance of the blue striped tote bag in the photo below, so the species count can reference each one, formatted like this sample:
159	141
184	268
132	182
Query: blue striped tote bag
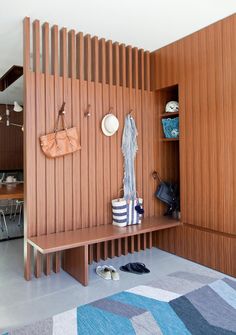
124	212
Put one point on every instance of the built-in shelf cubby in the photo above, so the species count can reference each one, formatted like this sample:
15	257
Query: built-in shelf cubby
168	148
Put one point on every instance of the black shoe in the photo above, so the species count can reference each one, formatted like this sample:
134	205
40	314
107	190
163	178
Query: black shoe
137	268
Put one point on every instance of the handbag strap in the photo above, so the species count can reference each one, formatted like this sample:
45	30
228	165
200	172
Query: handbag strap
61	115
119	193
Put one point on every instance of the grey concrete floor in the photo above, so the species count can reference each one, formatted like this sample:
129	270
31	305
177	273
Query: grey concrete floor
23	302
14	229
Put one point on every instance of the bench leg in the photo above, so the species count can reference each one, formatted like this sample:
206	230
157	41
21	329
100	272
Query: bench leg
75	262
27	261
56	262
47	264
37	263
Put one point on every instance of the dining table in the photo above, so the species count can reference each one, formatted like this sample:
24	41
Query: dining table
12	191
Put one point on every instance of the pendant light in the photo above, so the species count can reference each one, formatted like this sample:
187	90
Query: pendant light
17	108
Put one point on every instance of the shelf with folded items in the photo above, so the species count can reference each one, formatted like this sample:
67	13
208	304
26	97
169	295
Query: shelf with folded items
170	139
167	115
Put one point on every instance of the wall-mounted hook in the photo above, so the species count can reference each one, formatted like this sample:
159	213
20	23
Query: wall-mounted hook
88	113
131	113
62	109
156	176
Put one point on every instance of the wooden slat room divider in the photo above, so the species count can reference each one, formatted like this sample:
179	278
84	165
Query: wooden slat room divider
95	77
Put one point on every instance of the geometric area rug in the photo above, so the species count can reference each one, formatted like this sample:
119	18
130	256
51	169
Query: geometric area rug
178	304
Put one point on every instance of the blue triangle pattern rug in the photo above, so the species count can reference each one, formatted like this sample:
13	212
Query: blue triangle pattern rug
178	304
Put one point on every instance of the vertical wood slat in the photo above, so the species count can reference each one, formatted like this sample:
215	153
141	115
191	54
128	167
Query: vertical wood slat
71	54
91	138
87	73
49	123
40	129
113	139
59	190
57	165
29	205
83	136
80	56
151	137
106	169
123	78
87	58
138	118
74	58
99	142
67	160
75	120
129	72
145	158
120	116
49	126
36	69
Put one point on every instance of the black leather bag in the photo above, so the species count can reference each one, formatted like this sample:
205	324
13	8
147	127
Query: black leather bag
168	193
164	193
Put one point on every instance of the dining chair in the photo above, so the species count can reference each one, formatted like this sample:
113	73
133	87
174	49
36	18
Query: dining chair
3	210
19	205
2	176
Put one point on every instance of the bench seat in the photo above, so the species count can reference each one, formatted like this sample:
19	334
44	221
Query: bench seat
75	243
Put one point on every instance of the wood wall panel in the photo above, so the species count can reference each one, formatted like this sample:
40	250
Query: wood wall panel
93	76
96	77
11	141
202	65
210	249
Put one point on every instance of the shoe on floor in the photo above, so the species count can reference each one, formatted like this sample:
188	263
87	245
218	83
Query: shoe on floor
104	272
114	273
137	268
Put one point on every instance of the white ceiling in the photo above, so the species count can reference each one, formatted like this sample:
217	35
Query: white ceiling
149	24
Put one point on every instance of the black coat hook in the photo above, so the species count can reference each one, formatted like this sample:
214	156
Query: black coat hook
62	109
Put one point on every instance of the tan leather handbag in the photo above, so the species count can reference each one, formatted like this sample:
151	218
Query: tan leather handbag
60	142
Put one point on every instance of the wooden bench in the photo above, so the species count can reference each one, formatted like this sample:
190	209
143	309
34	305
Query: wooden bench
75	243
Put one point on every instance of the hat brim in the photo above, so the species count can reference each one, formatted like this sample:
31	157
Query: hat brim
104	130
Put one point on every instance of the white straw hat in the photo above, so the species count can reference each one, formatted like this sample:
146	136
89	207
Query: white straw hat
110	124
